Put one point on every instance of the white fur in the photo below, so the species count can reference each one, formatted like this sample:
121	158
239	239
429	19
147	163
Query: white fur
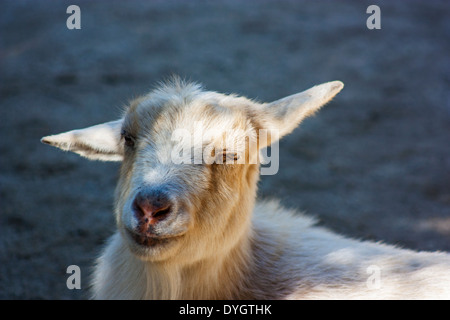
232	247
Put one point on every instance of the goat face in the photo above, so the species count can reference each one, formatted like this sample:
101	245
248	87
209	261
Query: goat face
185	165
189	165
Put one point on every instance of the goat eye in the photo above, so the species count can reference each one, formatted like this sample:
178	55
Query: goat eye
129	140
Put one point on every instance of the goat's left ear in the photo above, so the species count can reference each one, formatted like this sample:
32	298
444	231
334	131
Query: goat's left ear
281	117
100	142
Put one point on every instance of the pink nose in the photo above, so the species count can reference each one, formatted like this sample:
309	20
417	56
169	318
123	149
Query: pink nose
149	208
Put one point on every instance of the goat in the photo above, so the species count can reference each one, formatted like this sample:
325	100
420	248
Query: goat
195	230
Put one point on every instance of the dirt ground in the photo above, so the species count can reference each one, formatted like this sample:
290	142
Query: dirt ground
373	164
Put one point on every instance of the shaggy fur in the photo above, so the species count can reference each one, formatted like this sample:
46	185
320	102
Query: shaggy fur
218	243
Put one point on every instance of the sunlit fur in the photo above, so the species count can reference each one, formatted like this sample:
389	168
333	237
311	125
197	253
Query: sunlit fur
229	246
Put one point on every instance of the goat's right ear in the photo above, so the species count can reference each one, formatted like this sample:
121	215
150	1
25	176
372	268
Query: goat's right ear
100	142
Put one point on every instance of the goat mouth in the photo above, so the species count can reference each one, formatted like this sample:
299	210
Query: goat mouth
148	241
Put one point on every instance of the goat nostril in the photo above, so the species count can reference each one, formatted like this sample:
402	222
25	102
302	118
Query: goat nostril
160	213
138	210
150	210
151	206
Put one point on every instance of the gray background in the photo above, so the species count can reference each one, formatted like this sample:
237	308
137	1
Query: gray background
373	164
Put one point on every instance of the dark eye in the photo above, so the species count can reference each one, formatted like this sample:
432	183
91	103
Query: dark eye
129	140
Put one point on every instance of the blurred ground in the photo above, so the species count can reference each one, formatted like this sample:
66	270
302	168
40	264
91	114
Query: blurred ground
374	164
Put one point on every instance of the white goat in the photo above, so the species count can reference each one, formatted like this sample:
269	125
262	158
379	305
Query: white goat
194	231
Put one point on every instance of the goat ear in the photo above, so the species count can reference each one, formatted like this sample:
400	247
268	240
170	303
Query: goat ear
281	117
100	142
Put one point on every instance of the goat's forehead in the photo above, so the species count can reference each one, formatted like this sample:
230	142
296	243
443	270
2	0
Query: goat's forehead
202	110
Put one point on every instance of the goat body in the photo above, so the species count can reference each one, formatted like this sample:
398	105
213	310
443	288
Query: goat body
195	231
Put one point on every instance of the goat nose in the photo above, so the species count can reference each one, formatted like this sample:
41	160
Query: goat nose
150	207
